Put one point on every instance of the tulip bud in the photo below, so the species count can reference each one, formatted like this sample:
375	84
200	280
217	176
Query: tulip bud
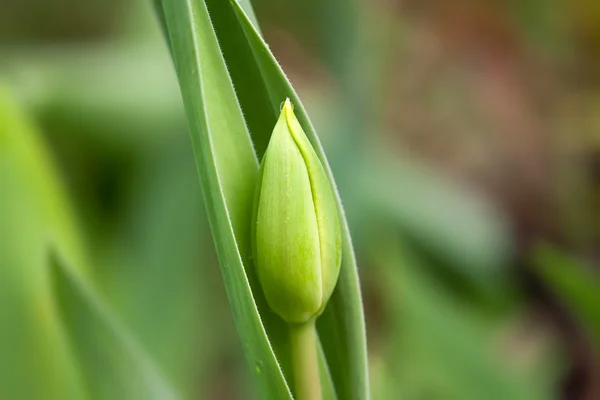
296	230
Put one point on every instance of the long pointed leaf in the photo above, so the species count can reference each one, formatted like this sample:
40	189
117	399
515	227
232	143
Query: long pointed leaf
111	364
244	72
33	210
228	168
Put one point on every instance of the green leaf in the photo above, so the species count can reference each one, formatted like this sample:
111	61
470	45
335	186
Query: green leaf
245	73
112	365
228	169
33	211
575	284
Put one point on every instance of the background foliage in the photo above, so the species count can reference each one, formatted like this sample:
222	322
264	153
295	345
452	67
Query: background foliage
464	142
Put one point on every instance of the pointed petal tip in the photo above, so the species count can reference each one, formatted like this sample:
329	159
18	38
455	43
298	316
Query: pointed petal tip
287	108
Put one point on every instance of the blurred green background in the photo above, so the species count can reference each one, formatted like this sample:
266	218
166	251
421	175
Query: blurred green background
465	140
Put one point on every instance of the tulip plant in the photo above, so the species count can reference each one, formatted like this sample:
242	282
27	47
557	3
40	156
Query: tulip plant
279	229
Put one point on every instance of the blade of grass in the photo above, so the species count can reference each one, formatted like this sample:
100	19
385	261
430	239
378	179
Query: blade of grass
228	168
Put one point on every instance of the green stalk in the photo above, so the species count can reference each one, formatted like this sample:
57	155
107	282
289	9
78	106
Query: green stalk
303	339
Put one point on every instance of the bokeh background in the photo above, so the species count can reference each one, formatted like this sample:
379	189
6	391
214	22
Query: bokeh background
465	140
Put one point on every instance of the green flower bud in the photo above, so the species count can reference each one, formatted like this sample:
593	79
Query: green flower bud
296	230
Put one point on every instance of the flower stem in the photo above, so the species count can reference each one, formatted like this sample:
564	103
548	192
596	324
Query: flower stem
307	385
